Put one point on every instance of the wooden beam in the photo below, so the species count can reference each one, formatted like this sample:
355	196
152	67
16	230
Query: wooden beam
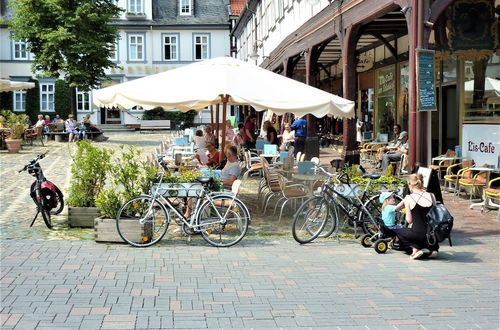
391	48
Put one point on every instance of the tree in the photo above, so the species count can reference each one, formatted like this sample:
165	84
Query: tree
72	38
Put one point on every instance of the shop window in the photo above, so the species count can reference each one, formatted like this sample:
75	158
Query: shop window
482	90
385	104
404	85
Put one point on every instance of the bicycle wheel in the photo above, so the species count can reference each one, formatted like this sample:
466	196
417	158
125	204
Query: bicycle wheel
375	208
60	202
224	222
138	224
332	222
45	213
310	219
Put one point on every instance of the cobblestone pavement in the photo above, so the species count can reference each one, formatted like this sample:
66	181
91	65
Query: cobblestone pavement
52	281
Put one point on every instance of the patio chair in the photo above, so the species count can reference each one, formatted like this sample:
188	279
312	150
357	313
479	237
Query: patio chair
492	193
289	192
475	183
443	164
454	173
34	133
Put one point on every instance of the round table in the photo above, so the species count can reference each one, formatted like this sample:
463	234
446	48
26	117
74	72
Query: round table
310	179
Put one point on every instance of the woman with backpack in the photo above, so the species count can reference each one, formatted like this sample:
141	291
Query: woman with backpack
417	204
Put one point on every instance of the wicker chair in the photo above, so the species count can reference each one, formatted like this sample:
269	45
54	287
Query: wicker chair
454	173
475	183
492	193
443	164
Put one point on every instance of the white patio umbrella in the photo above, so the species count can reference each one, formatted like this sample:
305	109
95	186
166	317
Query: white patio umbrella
9	85
223	80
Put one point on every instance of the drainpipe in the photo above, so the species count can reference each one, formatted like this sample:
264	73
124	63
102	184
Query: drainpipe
413	88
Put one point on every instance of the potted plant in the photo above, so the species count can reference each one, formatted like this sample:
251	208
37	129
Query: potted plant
130	176
88	176
17	125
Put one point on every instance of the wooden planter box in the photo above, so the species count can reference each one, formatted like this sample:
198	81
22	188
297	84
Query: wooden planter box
82	216
105	230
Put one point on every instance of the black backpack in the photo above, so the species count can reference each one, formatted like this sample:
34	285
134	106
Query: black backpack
439	223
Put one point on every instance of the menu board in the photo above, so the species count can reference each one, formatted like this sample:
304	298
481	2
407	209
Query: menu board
425	80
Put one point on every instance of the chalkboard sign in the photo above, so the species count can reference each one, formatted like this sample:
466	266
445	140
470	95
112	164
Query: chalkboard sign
425	80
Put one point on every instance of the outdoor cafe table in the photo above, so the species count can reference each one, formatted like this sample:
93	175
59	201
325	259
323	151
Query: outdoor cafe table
310	179
488	171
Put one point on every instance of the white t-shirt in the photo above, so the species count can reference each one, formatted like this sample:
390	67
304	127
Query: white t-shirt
199	142
230	169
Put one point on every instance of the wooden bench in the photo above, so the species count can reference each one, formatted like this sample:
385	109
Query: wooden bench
152	125
61	136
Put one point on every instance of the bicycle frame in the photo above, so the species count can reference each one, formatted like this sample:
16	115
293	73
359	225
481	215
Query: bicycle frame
190	223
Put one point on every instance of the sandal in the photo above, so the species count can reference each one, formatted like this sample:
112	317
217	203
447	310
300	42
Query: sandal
417	254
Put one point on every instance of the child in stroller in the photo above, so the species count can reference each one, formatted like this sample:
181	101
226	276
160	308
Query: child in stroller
385	235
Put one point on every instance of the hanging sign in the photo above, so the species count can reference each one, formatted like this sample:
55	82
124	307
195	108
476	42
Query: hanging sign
364	63
426	92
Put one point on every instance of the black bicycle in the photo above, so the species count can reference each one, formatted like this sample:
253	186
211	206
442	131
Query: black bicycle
49	199
320	216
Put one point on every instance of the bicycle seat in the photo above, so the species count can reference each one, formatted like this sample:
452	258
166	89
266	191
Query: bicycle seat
204	180
372	176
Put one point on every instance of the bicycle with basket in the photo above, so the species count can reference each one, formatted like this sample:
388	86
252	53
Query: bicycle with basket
220	217
340	199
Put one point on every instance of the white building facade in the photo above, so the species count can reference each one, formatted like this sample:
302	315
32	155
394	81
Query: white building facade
154	36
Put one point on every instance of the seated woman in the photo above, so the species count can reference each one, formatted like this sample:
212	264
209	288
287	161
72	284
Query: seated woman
70	125
418	203
199	141
213	156
91	127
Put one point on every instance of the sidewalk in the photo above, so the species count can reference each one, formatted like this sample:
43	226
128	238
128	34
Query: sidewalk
62	279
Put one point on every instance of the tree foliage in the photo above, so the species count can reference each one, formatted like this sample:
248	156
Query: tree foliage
68	37
33	101
175	116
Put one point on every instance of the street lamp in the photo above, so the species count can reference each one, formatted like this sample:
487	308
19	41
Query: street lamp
254	56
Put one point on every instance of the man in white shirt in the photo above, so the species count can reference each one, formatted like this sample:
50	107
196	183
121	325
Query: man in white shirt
398	152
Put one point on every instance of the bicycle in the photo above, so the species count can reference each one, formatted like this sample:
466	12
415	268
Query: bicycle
319	215
47	197
220	217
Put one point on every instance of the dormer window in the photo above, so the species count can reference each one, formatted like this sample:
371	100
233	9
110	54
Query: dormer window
135	6
185	7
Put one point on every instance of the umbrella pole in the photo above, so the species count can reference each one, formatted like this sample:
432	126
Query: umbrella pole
212	115
217	123
223	143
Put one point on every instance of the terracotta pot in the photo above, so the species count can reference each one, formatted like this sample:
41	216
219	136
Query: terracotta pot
13	145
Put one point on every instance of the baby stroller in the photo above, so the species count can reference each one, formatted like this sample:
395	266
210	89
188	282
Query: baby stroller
384	236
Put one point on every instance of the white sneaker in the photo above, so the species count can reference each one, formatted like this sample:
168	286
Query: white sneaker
434	254
426	251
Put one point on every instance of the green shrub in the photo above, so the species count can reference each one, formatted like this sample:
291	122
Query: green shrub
88	174
176	117
130	177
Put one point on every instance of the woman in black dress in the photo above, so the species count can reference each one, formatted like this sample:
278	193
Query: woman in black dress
417	204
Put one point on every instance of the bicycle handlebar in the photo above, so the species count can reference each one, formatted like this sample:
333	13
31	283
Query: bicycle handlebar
33	161
344	177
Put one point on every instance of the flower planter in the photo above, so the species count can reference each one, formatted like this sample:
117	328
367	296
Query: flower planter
13	145
82	216
105	230
181	189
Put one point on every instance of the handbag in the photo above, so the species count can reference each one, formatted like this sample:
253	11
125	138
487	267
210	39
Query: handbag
439	223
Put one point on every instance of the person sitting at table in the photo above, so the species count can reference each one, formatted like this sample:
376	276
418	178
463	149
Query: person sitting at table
396	129
271	134
395	154
209	134
70	125
287	138
213	156
47	123
231	170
